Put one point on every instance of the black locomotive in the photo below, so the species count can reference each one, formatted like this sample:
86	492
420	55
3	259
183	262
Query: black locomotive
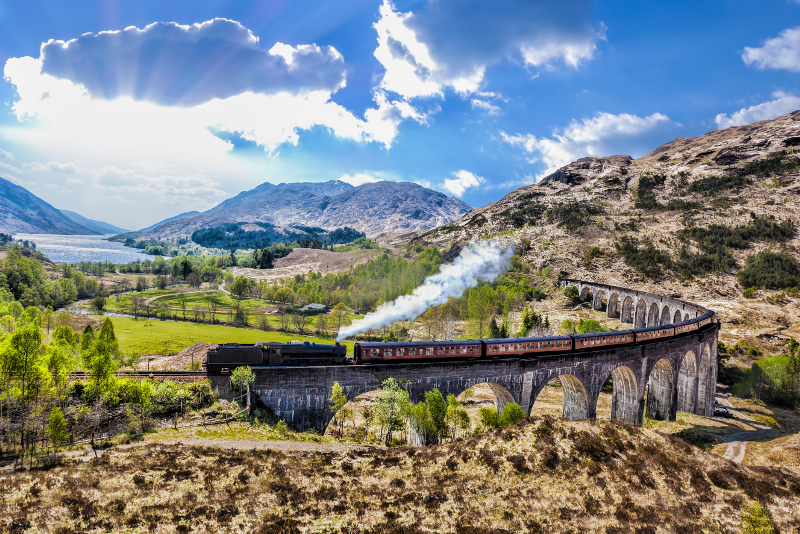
230	355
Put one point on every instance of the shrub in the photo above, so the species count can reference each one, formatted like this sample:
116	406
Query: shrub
647	259
715	184
512	414
756	519
571	292
769	270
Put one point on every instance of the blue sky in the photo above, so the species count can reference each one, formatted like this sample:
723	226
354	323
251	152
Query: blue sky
131	112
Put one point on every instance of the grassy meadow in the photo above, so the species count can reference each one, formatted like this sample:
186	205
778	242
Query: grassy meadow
152	336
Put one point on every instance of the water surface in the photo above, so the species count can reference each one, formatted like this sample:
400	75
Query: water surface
77	248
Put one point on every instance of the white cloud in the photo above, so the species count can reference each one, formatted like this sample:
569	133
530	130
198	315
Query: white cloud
62	167
74	181
171	64
358	179
463	180
6	154
35	167
451	43
488	106
119	199
784	103
782	52
13	179
6	167
58	189
602	135
168	189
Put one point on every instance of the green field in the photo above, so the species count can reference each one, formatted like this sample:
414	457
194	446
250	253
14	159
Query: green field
141	336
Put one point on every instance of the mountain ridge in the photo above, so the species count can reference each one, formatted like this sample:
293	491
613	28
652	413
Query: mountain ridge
373	208
22	212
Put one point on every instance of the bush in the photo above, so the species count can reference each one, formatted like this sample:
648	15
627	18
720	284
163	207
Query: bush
571	292
647	260
750	293
769	270
756	519
512	414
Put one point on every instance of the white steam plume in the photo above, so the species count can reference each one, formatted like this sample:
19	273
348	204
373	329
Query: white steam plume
478	262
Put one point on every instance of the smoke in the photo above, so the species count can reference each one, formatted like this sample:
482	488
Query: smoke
478	262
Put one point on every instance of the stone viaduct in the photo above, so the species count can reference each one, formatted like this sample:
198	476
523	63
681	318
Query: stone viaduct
659	378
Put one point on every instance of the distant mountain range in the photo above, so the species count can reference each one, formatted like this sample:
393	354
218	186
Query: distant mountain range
96	226
187	215
374	208
22	212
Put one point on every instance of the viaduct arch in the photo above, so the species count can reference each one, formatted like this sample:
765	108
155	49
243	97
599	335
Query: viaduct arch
659	378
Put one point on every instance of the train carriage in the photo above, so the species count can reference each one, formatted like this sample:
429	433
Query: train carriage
603	339
415	350
654	333
524	346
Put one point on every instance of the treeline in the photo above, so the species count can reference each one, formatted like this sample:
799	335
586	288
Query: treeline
41	407
233	236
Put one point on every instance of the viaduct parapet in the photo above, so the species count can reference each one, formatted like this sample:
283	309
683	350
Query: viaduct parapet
658	378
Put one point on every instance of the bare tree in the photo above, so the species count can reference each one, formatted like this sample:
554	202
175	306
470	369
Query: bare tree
299	322
283	321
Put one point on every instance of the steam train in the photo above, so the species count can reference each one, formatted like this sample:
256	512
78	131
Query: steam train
230	355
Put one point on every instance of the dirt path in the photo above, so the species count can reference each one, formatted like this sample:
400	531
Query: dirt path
737	442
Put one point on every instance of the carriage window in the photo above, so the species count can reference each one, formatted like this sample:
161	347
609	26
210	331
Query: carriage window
375	352
412	352
463	350
503	348
452	350
441	350
399	352
494	349
430	351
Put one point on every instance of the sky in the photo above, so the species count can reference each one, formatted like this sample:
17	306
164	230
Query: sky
132	112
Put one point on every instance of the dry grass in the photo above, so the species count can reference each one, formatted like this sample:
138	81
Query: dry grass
549	476
783	451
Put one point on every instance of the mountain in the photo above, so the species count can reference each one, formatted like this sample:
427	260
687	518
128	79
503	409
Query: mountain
701	218
329	188
375	208
96	226
22	212
187	215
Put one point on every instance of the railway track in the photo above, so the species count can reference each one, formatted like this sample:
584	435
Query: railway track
84	374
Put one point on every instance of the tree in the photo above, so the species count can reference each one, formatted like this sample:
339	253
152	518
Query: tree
340	313
457	417
480	310
242	377
240	286
47	319
283	321
437	412
489	417
98	303
392	407
337	401
321	325
56	428
213	301
24	357
299	322
494	331
571	292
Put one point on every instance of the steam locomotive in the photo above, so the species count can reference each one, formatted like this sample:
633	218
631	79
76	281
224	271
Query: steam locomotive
227	356
231	355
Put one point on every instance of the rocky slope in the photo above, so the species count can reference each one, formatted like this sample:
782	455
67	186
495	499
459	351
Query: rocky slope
22	212
576	219
374	208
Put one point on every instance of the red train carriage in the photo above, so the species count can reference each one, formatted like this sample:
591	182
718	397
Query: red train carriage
524	346
602	339
415	351
654	333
